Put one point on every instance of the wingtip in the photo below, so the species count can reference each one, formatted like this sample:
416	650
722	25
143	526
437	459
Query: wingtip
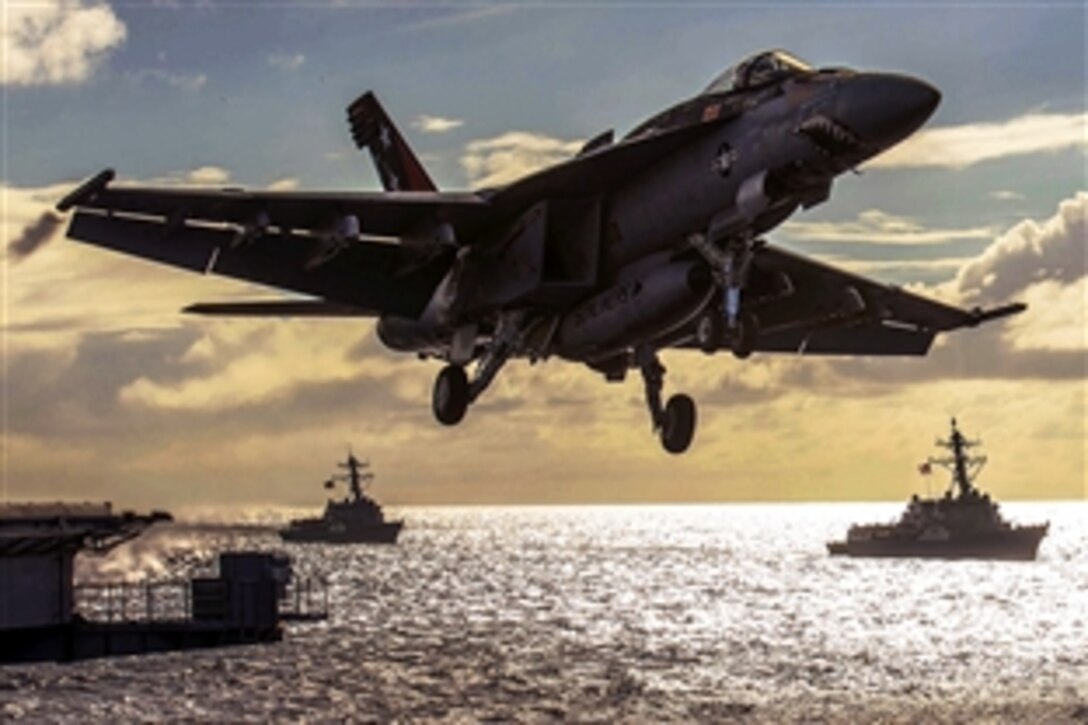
86	190
980	315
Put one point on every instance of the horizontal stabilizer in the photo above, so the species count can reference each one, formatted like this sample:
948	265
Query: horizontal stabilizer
278	308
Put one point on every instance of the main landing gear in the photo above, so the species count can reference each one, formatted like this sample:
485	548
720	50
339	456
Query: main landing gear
450	397
453	391
675	421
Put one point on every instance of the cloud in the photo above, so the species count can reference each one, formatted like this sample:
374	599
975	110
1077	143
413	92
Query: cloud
285	184
958	147
209	175
877	227
28	221
47	294
35	235
287	62
436	124
191	82
1006	195
459	17
1027	254
56	41
900	271
1058	318
502	159
1041	263
250	370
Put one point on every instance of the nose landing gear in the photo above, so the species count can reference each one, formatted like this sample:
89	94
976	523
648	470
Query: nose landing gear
730	325
712	333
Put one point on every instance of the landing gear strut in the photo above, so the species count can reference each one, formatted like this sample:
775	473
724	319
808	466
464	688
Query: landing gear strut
453	391
675	421
729	324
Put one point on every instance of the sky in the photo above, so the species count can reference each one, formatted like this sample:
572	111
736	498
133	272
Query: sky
109	393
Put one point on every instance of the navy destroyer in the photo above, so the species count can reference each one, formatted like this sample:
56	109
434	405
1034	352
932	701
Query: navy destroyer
357	519
963	524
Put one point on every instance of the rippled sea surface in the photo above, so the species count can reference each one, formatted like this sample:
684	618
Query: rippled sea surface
637	613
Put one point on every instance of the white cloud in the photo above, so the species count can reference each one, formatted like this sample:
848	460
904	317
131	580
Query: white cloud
1028	253
1006	195
185	81
55	41
877	227
1055	319
209	175
436	124
502	159
948	265
287	62
958	147
462	17
285	184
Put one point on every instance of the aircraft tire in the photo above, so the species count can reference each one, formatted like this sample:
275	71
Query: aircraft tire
679	424
743	343
709	331
449	399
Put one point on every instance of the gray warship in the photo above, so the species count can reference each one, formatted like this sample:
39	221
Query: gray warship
963	524
357	519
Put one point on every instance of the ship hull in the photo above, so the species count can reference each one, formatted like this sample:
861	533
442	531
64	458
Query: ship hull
384	533
1020	544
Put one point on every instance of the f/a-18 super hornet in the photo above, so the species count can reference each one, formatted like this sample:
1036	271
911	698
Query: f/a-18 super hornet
633	246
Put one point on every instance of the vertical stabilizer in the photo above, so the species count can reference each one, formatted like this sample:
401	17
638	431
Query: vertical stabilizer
397	165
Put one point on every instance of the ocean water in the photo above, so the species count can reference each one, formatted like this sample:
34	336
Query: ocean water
602	614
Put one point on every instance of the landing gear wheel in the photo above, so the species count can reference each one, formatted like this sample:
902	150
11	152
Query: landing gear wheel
449	398
678	426
743	342
709	331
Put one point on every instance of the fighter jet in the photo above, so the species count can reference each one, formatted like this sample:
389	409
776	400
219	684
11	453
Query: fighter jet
633	246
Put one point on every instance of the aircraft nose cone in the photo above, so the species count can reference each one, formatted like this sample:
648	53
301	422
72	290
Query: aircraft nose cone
883	108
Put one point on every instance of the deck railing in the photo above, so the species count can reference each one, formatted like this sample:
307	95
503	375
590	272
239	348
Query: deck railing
305	599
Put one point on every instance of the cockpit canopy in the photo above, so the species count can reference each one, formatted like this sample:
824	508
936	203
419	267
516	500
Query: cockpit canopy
758	70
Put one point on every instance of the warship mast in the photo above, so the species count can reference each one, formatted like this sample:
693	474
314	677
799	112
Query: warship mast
965	468
357	476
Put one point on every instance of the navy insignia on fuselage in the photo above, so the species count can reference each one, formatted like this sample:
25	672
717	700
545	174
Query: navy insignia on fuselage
724	160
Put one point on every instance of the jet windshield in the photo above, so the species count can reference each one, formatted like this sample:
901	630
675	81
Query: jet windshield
758	70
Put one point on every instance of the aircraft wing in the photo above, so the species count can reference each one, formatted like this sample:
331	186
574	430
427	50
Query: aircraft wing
379	213
200	230
808	307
